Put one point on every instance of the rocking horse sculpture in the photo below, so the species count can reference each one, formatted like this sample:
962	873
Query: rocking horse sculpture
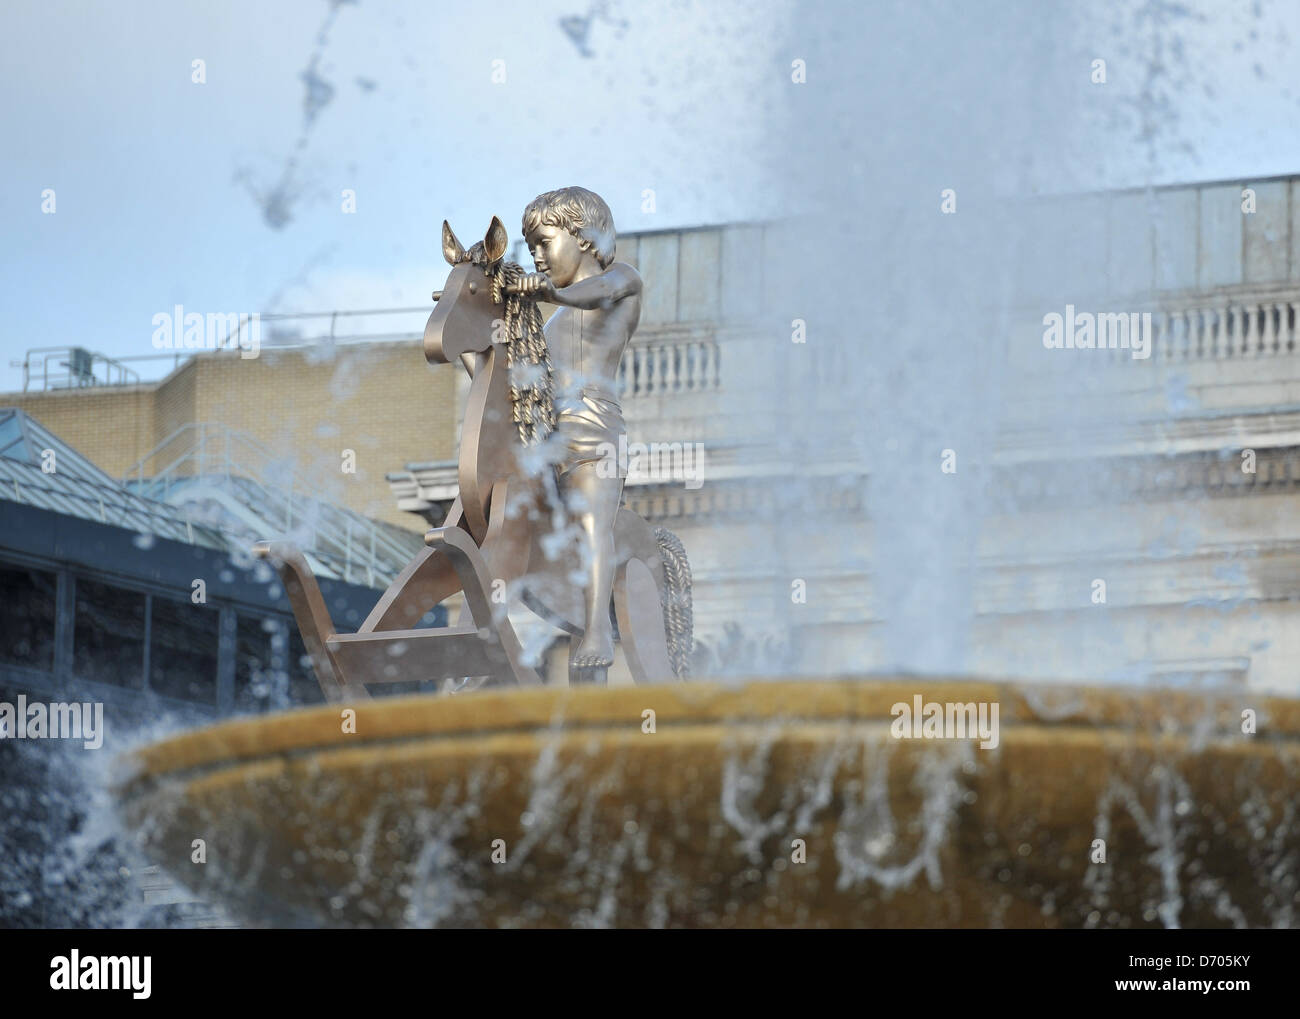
537	515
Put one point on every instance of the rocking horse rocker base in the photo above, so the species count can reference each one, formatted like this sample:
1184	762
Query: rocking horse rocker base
482	645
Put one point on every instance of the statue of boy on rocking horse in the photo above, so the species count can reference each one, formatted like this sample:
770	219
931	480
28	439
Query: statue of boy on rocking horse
539	505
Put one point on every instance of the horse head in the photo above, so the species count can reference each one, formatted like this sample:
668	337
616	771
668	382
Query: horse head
462	321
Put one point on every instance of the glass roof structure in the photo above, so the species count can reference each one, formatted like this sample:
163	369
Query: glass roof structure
37	468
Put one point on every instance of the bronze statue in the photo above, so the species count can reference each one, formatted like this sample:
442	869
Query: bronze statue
571	236
537	509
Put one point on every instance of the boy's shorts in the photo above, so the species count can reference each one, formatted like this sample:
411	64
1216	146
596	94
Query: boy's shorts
590	427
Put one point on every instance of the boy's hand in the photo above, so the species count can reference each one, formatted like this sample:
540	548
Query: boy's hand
536	285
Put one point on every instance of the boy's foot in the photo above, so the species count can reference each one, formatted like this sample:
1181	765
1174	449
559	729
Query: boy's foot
595	651
588	675
590	660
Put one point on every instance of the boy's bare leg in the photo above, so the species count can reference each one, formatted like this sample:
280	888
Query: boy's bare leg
594	503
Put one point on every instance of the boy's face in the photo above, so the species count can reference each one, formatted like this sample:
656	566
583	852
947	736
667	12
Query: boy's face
556	253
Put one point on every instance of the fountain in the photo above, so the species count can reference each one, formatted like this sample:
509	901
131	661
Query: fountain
791	798
781	801
759	804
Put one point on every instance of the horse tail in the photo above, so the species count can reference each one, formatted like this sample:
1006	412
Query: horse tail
679	621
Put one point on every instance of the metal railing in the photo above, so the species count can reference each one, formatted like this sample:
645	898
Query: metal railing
47	368
71	368
199	458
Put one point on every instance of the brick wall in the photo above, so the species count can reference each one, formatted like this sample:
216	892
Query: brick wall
381	400
113	427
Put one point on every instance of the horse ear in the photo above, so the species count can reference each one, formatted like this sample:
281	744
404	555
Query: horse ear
451	249
495	241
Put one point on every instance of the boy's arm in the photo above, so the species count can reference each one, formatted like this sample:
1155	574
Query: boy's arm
615	283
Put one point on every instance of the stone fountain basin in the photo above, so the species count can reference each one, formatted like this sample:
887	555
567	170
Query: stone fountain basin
772	803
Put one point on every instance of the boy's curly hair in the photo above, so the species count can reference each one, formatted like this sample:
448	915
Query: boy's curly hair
581	212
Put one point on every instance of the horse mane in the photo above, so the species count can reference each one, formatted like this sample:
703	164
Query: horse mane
528	357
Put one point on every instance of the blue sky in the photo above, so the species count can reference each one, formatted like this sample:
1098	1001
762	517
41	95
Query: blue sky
156	177
162	185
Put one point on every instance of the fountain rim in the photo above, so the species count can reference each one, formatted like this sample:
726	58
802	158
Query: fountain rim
1212	715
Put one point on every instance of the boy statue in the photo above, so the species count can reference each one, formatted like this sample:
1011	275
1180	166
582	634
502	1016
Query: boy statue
570	233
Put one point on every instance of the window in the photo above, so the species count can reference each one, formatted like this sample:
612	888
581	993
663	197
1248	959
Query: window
108	634
401	689
27	609
272	668
303	687
261	660
435	618
183	649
